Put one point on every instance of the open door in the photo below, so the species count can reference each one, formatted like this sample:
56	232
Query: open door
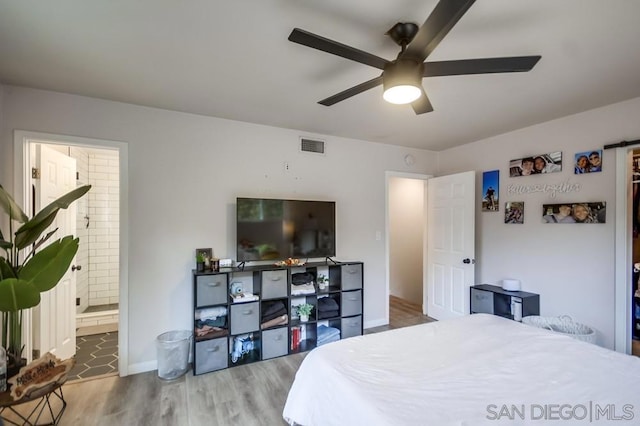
54	319
450	253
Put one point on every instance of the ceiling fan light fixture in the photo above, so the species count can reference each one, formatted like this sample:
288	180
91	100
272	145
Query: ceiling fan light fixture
402	82
401	94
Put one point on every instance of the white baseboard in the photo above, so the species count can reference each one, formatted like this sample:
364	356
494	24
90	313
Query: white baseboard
375	323
143	367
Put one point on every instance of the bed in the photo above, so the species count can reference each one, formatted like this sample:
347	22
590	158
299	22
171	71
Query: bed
474	370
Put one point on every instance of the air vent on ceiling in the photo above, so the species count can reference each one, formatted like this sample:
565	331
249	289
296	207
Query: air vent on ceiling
310	145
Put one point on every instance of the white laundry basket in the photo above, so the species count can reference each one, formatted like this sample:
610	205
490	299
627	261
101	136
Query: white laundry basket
563	325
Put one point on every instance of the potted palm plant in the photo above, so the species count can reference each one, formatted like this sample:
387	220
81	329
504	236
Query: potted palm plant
28	266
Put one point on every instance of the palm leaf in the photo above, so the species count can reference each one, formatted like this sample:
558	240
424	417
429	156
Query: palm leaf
28	233
47	267
6	271
17	294
44	239
31	230
10	207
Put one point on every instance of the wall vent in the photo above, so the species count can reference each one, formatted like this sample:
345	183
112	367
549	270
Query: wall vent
310	145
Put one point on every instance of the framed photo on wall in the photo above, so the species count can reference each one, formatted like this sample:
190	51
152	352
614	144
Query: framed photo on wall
514	212
536	164
574	212
588	162
490	191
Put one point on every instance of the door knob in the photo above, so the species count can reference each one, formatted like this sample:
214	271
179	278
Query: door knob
74	267
467	261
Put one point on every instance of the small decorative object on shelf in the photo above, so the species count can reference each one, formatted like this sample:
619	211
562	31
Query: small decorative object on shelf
304	310
290	262
214	264
203	259
323	282
200	262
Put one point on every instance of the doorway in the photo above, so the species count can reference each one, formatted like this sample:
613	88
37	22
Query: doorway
625	243
102	225
96	266
405	223
635	254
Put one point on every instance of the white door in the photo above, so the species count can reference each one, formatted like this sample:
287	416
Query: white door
55	322
450	252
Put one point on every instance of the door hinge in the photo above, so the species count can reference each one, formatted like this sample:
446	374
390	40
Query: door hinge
35	173
35	353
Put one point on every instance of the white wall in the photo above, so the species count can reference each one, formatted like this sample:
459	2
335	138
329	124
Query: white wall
185	172
570	266
406	224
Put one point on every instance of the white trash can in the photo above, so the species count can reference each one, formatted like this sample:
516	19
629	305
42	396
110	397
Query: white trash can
173	353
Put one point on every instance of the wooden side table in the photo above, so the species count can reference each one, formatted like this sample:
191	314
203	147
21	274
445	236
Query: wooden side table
48	406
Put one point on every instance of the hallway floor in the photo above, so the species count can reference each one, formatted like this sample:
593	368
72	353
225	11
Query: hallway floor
96	355
401	314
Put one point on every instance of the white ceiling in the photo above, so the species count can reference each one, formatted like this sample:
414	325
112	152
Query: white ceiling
232	59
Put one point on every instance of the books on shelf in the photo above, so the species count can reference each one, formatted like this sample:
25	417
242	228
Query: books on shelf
295	338
298	335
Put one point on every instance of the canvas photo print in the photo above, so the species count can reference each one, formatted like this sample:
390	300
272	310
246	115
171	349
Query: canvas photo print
588	162
514	212
490	182
536	164
574	213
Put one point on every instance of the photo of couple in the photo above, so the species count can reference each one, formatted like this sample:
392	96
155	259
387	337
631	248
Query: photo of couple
538	164
574	213
588	162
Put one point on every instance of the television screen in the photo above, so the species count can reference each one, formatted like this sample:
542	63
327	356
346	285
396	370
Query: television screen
270	229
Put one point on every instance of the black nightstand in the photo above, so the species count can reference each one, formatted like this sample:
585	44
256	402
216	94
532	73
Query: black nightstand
491	299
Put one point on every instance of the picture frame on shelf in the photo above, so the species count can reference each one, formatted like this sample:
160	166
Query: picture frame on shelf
207	252
203	259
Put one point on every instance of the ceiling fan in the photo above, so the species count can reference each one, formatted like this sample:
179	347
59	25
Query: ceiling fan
402	77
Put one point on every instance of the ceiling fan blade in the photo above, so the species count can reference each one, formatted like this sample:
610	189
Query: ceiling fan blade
335	48
480	66
422	104
445	15
352	91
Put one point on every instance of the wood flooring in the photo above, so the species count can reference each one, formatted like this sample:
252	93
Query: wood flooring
247	395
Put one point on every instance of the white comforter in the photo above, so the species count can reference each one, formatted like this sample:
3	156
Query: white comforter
478	369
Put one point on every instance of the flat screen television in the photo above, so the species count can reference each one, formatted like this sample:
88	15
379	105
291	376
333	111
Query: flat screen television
270	229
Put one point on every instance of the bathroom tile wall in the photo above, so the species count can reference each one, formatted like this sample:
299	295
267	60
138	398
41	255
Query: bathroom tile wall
104	228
